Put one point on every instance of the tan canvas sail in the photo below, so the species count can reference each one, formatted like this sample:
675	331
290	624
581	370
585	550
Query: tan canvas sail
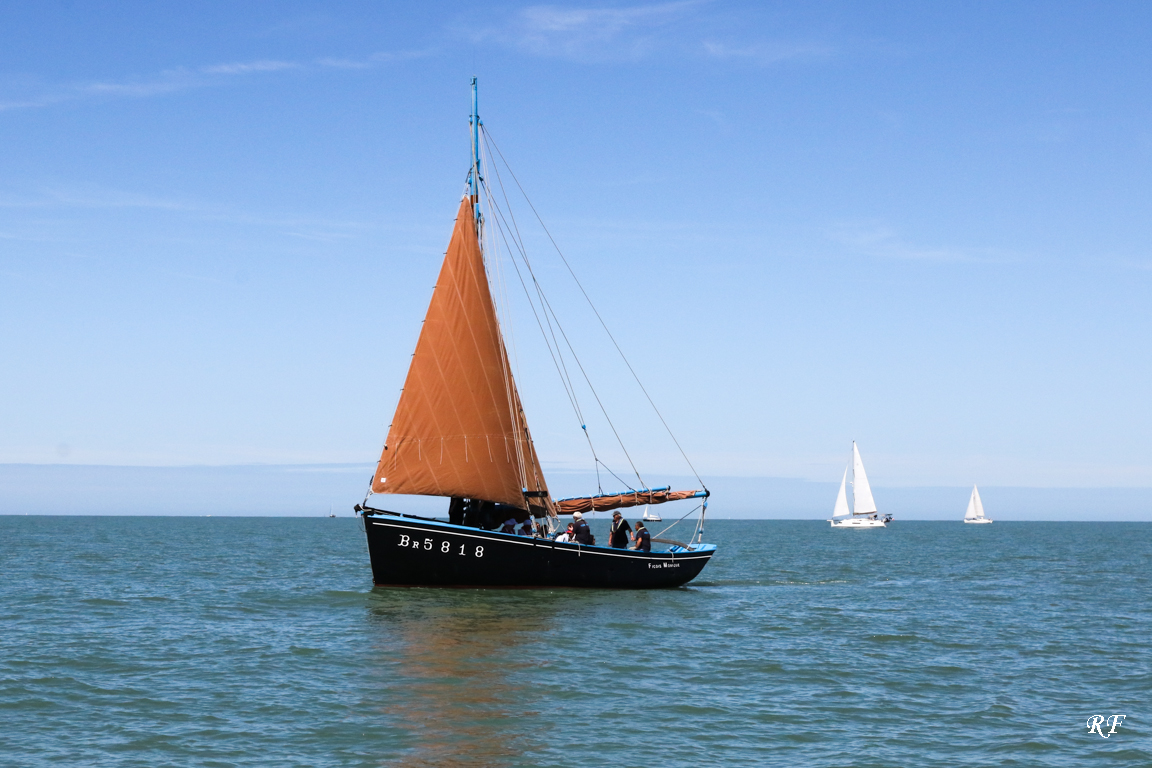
459	429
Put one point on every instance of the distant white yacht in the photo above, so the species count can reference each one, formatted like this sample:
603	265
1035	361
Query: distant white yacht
863	514
975	513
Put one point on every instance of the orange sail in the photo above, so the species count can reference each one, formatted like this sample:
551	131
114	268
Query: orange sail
459	429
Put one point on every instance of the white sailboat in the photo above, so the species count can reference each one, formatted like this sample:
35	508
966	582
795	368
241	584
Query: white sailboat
975	513
863	514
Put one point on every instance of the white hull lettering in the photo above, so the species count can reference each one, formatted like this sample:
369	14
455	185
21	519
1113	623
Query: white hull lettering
430	544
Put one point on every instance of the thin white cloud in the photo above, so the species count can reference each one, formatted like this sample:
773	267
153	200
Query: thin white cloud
134	90
717	117
244	68
589	33
179	79
882	242
90	196
1144	266
375	59
768	52
87	196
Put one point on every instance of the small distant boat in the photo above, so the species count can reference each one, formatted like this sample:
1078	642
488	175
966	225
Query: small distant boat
863	514
651	517
975	513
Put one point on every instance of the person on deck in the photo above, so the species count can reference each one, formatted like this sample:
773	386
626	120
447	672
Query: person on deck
642	539
621	532
528	528
565	536
509	526
580	531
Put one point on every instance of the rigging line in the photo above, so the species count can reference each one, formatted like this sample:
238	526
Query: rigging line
519	240
562	369
522	435
504	303
618	478
511	398
557	357
698	506
561	366
546	305
566	377
587	380
516	411
509	385
564	380
594	310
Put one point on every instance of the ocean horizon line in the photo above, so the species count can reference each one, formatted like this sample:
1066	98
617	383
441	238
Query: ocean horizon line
337	466
312	489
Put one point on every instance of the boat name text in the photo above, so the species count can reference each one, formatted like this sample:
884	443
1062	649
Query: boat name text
429	544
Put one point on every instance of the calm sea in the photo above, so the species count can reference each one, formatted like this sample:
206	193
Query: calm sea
136	641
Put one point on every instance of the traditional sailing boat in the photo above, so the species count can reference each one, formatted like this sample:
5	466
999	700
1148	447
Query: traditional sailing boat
863	514
975	512
460	432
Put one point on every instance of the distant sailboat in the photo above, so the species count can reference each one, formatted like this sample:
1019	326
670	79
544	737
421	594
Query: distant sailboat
863	514
650	516
975	513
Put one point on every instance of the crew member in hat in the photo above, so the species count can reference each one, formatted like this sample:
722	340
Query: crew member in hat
621	531
580	531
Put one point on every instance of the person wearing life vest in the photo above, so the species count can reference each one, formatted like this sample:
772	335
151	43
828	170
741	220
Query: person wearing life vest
642	539
621	531
580	531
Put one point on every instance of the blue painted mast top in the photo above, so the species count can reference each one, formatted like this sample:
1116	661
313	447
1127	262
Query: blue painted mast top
474	177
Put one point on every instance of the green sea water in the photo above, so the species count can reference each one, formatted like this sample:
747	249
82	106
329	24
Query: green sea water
151	641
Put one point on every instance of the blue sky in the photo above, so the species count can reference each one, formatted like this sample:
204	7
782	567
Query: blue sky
924	227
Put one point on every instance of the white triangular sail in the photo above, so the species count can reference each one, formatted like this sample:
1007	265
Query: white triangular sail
979	504
841	508
862	501
971	513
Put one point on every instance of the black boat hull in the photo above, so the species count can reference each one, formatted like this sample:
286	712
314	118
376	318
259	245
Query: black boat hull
418	553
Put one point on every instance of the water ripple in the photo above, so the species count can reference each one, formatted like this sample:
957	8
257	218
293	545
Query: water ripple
252	642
